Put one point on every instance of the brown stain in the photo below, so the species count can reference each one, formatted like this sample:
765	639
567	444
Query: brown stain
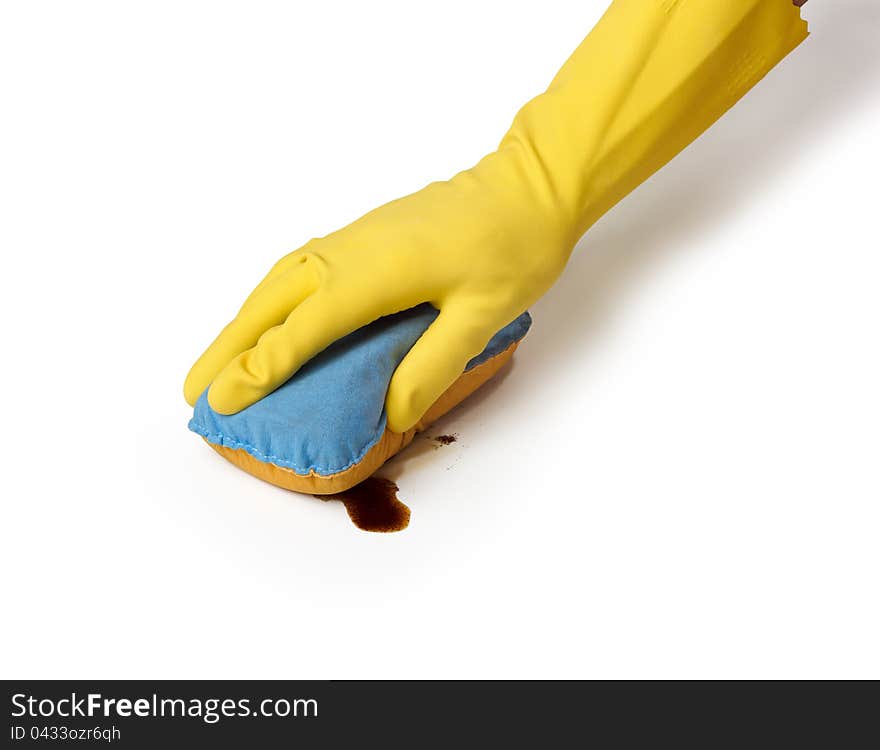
372	505
446	439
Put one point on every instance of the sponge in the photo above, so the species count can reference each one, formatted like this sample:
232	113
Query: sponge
325	430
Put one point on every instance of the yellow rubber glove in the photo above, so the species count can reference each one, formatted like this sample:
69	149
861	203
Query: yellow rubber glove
485	245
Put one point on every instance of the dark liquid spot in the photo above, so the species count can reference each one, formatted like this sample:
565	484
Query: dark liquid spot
372	505
446	439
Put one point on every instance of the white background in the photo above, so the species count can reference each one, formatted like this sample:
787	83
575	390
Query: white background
678	477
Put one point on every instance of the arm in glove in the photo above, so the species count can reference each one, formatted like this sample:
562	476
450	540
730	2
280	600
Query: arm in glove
486	244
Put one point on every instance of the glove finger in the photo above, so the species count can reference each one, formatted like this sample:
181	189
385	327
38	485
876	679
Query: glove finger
434	363
312	326
282	266
263	310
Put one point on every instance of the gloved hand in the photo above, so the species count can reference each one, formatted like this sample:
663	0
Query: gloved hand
485	245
